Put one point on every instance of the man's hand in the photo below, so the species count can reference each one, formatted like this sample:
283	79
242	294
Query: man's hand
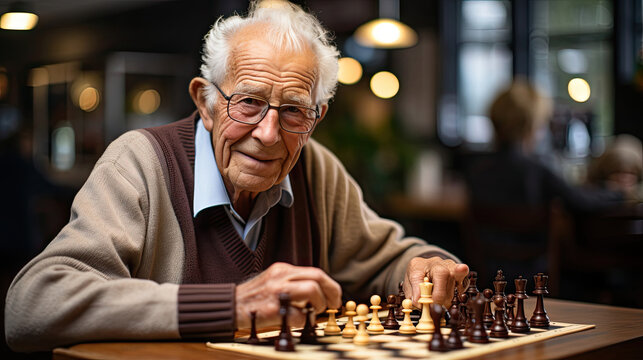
444	274
304	284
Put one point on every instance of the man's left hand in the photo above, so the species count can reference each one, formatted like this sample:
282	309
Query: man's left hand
444	274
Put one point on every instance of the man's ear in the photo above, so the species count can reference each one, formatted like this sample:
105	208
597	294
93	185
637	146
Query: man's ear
322	114
198	94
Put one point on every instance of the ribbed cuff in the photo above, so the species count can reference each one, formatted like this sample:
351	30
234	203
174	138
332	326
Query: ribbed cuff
206	311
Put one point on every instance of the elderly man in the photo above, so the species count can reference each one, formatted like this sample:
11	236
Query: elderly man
182	230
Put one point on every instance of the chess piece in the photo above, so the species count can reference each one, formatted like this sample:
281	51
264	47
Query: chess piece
437	340
308	334
472	290
499	328
349	329
362	337
399	315
499	285
331	325
464	317
455	303
478	334
511	299
284	341
425	325
407	325
375	326
390	322
539	319
253	339
519	324
453	341
487	316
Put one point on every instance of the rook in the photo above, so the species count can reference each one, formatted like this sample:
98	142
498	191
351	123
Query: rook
540	319
519	324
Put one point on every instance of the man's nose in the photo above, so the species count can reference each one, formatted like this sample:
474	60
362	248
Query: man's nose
267	131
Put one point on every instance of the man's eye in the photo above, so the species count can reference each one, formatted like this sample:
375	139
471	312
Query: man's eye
249	101
292	109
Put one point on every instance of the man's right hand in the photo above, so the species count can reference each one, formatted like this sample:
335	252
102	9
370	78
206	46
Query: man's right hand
304	284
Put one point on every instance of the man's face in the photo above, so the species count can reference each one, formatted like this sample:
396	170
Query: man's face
253	158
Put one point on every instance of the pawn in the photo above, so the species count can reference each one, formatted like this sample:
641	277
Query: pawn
407	325
390	322
454	302
375	327
499	328
487	317
454	341
308	334
511	299
464	317
284	341
437	341
362	337
253	339
478	334
349	329
331	325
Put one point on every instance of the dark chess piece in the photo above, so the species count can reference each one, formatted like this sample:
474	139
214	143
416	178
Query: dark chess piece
253	339
478	334
487	317
455	303
284	341
308	333
511	299
472	290
499	285
464	315
437	340
539	319
454	341
499	328
399	314
390	322
519	324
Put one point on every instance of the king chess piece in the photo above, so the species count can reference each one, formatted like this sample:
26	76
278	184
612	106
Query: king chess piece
539	319
284	341
391	305
425	325
519	324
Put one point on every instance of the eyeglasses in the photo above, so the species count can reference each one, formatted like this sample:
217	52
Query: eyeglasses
249	109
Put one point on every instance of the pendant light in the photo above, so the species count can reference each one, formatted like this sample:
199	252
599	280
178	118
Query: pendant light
386	32
19	17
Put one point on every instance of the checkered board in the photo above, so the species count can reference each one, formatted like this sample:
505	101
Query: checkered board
389	345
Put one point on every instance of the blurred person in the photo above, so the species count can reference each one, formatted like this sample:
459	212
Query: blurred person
181	231
620	167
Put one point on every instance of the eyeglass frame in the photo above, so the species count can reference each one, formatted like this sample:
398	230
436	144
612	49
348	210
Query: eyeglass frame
227	98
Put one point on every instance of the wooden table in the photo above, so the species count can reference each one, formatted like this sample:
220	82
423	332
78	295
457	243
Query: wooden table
618	335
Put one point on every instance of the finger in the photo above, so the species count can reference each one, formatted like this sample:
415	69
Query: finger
296	317
304	291
460	273
330	288
441	278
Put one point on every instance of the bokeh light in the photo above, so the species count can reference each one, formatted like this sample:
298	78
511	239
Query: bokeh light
147	101
89	99
350	71
579	89
384	85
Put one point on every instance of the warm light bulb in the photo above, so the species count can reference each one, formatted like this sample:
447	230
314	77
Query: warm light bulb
579	89
384	85
88	99
386	32
350	71
18	21
147	101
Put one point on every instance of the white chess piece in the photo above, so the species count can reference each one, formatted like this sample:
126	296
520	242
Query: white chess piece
350	330
375	326
331	325
362	337
425	325
407	325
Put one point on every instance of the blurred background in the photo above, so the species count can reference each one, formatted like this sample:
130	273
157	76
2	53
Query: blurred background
406	121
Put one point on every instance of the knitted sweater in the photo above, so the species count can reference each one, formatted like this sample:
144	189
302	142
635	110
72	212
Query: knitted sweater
114	271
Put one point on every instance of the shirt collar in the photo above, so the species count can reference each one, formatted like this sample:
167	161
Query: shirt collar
209	189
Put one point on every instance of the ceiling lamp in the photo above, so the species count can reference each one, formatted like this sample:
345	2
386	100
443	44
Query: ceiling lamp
386	32
19	17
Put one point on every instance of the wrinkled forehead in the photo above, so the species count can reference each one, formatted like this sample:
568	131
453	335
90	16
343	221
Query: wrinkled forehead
260	48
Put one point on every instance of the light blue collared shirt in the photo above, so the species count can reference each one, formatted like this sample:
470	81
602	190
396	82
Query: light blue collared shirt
210	191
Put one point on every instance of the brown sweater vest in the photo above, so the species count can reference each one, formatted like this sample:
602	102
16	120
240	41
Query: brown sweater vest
216	258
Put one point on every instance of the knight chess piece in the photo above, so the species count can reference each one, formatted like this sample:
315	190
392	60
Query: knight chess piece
284	341
539	319
519	323
391	305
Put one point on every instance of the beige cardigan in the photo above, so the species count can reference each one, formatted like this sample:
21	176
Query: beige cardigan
112	273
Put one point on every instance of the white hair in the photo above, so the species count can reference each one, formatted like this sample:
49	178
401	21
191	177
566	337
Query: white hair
289	28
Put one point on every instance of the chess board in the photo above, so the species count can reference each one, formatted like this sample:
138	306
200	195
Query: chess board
389	345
